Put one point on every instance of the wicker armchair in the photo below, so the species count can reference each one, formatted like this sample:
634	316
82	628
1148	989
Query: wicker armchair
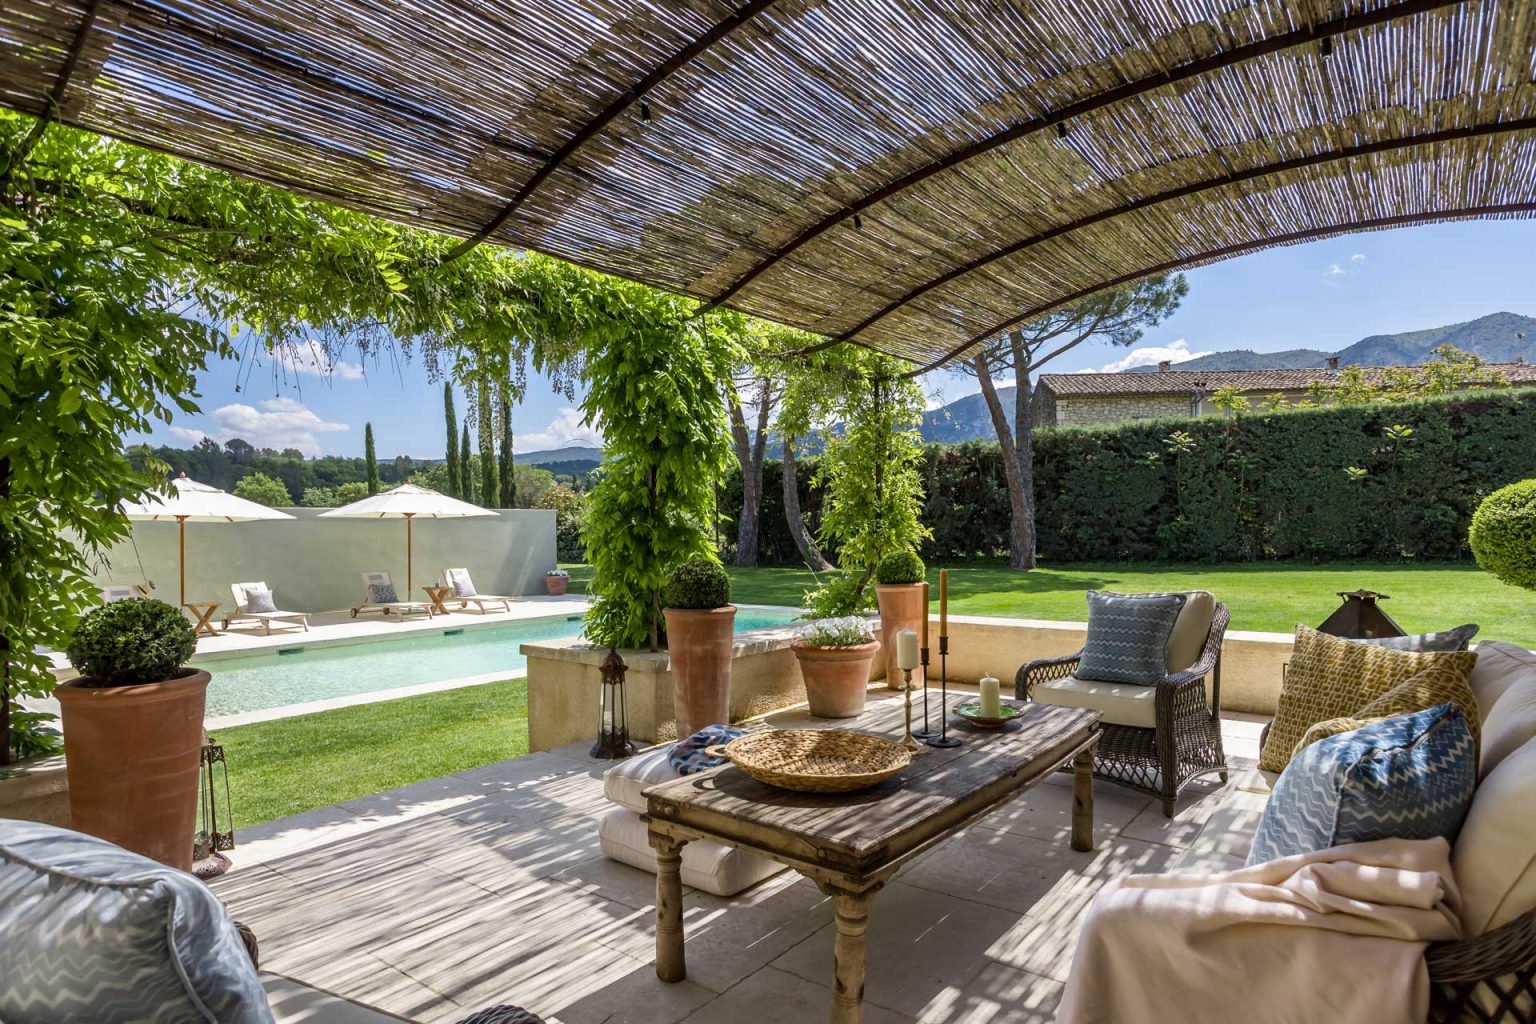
1186	742
1487	980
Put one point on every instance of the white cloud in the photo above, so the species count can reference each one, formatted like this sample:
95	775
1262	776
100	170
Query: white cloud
187	435
1358	257
314	362
565	429
279	423
1176	351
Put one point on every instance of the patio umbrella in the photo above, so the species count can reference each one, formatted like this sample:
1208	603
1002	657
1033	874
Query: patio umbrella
192	502
408	502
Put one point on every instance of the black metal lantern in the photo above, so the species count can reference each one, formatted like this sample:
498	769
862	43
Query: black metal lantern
216	832
612	716
1361	618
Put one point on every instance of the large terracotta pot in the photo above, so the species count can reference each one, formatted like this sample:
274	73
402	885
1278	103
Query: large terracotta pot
555	585
133	755
901	607
836	678
699	644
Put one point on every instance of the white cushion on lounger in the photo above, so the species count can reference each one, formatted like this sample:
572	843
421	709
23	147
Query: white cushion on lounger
626	782
1122	703
718	870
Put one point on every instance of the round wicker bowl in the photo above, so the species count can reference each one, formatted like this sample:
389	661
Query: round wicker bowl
816	760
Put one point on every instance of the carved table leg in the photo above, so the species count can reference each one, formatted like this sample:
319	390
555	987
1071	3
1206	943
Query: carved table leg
669	907
852	922
1082	800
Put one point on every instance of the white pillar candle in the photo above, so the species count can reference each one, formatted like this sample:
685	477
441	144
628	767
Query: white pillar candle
906	649
991	697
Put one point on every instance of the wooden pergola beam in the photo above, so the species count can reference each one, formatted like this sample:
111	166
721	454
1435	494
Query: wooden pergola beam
1194	69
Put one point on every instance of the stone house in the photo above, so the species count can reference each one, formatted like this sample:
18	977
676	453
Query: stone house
1084	399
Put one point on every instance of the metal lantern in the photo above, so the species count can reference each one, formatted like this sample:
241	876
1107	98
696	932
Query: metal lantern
1361	618
612	717
217	826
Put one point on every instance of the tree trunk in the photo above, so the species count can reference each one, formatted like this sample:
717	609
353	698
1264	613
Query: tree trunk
751	489
809	552
1018	473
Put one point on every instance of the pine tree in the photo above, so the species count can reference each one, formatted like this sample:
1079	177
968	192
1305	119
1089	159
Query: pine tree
489	491
371	458
455	489
508	463
466	478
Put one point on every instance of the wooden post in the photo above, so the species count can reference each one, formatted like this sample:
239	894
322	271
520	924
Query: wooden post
670	964
1082	800
848	951
407	556
181	527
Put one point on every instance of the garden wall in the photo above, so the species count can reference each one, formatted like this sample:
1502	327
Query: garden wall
1335	483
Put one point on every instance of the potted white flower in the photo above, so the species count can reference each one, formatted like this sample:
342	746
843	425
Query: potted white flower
835	657
555	582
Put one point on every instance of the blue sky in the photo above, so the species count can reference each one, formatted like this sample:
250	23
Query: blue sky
1322	295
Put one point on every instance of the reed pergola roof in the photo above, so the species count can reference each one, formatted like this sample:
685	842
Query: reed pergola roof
914	176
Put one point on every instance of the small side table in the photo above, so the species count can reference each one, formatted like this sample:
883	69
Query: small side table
438	596
203	612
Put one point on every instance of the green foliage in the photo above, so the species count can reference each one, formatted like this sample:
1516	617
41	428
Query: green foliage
453	488
224	466
1503	534
848	631
1447	371
507	465
900	567
490	485
371	459
260	488
570	509
697	583
466	471
352	491
124	643
319	497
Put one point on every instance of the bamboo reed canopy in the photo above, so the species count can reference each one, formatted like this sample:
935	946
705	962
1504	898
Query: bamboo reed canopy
914	176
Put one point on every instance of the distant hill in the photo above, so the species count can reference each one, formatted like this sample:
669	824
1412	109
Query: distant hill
1496	337
581	456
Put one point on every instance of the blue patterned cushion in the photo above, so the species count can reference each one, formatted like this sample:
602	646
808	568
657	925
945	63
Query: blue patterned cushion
1128	637
1457	639
94	934
382	593
1409	777
688	755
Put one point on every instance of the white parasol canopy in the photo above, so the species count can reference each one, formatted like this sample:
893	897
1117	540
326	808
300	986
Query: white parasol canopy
408	502
193	502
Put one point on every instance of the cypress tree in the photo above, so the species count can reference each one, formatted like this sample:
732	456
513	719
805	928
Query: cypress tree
489	490
466	478
508	465
451	453
372	459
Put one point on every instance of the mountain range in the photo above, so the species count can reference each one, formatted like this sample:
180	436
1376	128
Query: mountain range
1497	337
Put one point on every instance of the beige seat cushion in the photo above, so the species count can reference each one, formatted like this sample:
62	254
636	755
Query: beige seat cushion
1121	703
1494	859
715	869
626	782
1499	666
1509	725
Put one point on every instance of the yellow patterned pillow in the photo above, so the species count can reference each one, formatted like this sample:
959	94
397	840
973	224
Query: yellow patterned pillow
1332	727
1441	683
1331	677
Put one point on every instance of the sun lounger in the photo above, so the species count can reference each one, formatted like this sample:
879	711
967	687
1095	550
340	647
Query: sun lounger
377	585
244	612
463	587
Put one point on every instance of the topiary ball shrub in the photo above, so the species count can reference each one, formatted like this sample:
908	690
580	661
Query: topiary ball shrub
1503	534
900	567
124	643
699	583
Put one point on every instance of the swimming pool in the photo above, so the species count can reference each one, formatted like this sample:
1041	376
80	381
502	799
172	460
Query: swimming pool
299	675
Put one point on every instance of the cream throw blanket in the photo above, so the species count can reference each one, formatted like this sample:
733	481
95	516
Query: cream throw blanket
1335	936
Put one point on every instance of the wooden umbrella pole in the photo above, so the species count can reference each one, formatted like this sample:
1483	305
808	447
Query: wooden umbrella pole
181	528
408	556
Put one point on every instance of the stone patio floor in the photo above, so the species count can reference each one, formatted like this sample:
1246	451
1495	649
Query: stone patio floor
488	887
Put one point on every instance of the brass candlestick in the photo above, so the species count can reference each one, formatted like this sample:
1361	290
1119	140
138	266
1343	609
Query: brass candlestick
910	742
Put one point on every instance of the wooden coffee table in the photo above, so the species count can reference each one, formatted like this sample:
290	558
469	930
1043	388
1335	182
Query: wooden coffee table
851	844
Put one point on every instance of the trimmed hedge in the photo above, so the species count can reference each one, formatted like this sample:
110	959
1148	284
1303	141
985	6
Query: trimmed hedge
1325	484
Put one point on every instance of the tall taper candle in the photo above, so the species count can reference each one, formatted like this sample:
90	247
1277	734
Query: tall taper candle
943	602
924	644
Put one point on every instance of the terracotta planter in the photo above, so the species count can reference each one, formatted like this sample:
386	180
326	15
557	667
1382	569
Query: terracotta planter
836	678
555	585
901	607
133	754
699	643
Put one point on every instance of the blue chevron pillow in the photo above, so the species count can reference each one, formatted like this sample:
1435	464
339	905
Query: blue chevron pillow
1409	777
1127	640
93	934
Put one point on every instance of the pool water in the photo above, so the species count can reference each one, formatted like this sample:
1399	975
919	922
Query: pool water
274	679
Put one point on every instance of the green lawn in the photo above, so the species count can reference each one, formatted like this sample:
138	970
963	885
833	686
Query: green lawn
297	764
1265	596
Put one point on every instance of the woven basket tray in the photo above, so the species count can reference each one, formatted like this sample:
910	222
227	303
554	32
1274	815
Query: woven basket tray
816	760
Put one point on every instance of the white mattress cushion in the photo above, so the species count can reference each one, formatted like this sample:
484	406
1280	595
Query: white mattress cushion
718	870
626	782
1499	666
1494	859
1121	703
